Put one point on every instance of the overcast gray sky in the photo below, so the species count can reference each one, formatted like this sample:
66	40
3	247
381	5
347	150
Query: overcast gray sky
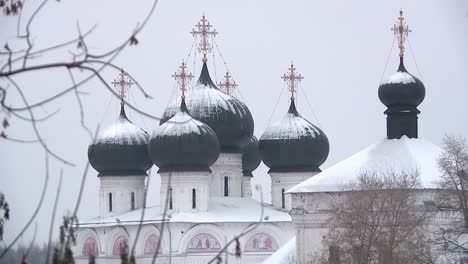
341	47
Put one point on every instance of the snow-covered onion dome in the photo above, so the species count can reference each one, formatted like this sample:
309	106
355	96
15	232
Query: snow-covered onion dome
250	157
402	89
226	115
183	144
121	150
293	144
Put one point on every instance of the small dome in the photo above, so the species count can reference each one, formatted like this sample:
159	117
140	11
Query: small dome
250	157
121	150
293	144
183	144
402	89
230	118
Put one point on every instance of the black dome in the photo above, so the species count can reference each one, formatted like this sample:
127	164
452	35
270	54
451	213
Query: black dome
183	144
293	144
250	157
121	150
230	118
402	89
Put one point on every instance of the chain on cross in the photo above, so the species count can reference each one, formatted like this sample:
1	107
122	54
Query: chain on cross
401	31
228	84
182	78
292	79
123	83
203	29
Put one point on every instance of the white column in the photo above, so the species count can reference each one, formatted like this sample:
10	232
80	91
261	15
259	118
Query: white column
282	182
228	165
184	186
121	189
246	189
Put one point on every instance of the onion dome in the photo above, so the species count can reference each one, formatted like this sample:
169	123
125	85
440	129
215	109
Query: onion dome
250	157
402	90
183	144
230	118
293	144
121	150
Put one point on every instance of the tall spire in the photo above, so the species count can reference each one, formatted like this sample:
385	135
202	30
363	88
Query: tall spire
203	29
401	30
122	83
183	77
228	84
292	79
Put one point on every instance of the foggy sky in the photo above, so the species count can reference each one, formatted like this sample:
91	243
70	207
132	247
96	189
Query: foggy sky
340	47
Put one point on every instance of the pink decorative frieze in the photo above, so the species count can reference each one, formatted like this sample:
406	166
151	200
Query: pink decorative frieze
90	247
261	242
203	243
151	245
120	246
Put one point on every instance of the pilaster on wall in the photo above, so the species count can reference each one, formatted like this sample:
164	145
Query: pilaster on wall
121	189
181	191
246	189
228	165
282	182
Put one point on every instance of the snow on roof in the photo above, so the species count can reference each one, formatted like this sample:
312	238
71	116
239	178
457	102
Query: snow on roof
396	154
285	254
400	77
180	124
290	126
222	209
123	132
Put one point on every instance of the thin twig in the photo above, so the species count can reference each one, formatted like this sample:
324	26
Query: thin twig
80	104
51	229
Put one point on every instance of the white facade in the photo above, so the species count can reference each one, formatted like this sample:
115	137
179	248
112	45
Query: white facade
227	172
281	182
120	194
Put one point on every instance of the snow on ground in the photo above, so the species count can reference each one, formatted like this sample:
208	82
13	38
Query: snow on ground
396	154
285	254
222	209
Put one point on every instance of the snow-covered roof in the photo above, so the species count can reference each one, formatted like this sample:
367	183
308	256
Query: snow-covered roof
291	126
222	209
123	132
400	77
284	255
395	154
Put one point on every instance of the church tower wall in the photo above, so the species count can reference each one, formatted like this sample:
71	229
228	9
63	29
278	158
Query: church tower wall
281	182
188	191
120	194
227	177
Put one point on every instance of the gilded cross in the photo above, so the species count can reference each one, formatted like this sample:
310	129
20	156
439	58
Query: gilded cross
401	30
182	78
292	79
123	83
228	84
203	29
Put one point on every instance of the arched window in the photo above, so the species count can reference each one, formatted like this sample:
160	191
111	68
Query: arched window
90	247
203	243
120	246
261	242
151	244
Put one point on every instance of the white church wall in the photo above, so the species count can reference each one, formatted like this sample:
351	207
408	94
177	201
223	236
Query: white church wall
246	187
228	165
282	182
121	188
182	185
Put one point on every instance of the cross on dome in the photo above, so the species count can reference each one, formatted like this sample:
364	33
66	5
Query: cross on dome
292	79
123	83
401	30
182	78
228	84
203	29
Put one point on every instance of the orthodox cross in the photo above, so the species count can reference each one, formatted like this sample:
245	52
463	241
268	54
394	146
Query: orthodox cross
292	79
182	77
401	30
228	84
203	29
123	83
